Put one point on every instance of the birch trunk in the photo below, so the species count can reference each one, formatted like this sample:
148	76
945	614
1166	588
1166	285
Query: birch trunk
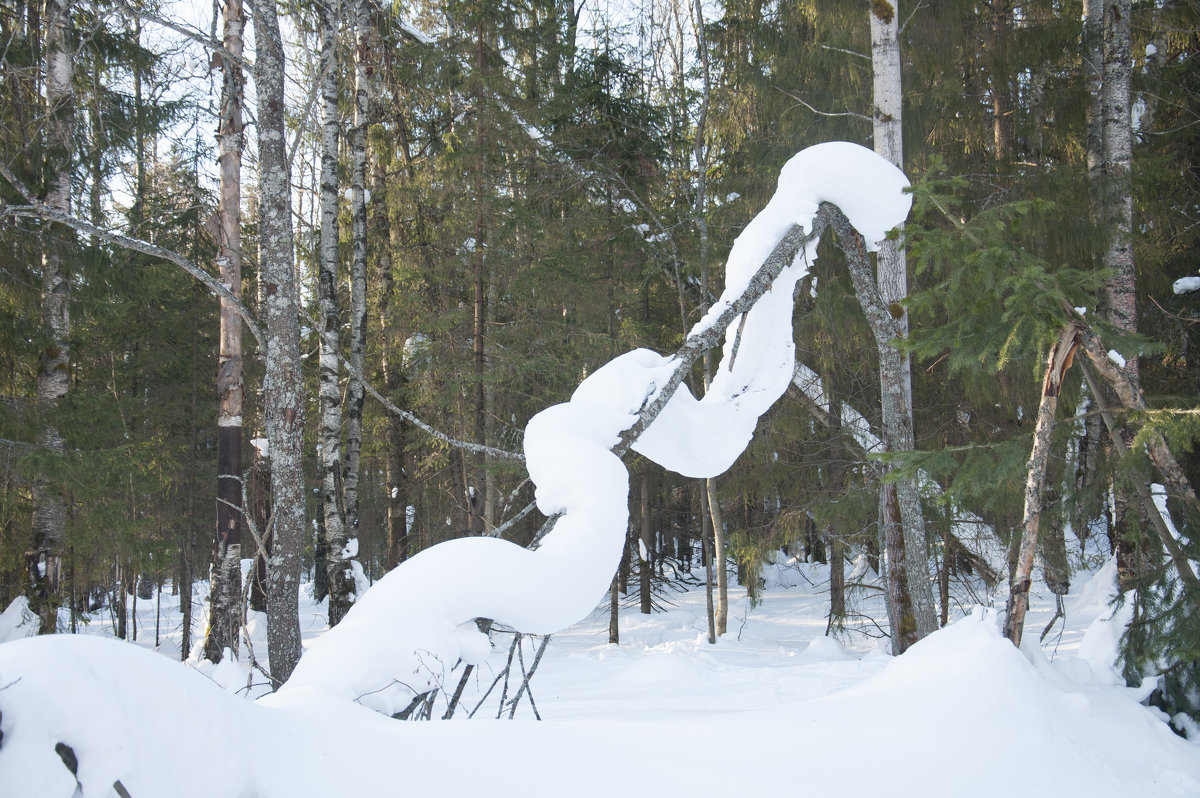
224	616
1057	362
895	374
1118	159
897	429
282	376
330	392
49	519
1121	305
358	274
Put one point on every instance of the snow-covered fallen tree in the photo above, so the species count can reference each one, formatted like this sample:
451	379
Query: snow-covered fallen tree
572	450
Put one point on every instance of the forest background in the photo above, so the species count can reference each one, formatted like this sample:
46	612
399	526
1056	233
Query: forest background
478	204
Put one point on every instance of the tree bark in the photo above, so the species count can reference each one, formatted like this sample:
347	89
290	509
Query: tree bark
44	561
1118	159
721	572
837	486
706	549
477	481
1057	362
897	430
614	611
1092	58
645	553
358	270
1002	126
333	515
224	615
282	377
394	385
895	373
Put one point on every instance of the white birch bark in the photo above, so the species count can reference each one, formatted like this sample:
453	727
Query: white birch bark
225	595
330	394
892	280
358	266
1118	160
282	396
49	506
1057	362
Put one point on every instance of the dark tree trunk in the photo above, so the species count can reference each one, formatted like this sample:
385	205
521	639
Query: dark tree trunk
645	555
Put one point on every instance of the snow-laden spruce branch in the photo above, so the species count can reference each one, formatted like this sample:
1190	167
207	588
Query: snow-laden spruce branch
423	613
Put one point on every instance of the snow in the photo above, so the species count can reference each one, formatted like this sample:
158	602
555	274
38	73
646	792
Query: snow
1186	285
775	705
18	620
961	704
1116	357
426	601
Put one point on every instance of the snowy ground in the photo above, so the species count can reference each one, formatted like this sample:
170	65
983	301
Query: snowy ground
775	705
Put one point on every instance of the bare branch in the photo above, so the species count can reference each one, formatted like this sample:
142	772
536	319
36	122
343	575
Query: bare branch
41	210
207	41
391	406
853	114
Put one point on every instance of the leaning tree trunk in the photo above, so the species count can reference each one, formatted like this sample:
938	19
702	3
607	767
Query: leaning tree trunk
330	392
282	376
44	560
224	611
1057	363
898	500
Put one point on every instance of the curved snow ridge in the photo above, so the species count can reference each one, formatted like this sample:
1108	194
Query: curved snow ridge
431	600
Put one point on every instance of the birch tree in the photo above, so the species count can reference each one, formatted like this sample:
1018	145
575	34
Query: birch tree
53	377
332	497
1118	159
225	595
1116	197
899	500
364	43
